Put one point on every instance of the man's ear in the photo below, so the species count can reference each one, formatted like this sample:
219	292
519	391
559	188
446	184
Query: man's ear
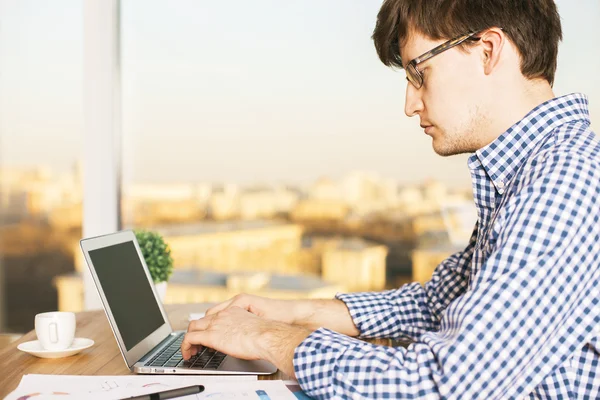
492	43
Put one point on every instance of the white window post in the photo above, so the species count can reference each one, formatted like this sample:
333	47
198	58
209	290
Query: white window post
101	128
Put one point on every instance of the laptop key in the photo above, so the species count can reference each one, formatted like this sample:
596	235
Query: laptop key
188	364
201	362
207	356
213	364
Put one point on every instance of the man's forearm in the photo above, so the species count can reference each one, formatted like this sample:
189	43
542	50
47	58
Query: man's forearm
278	344
330	313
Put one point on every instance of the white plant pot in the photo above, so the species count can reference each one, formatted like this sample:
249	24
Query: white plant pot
161	288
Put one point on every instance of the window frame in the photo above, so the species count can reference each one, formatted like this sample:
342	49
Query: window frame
102	136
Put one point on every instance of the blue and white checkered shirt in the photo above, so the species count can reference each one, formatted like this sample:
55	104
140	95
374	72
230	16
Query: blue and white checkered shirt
514	315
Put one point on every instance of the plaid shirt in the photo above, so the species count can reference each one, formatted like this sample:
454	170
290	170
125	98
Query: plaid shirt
514	315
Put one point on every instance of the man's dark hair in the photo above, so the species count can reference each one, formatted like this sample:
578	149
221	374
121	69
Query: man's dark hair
532	25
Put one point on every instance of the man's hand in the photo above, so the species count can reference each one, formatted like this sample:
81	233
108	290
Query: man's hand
233	331
312	314
276	310
239	333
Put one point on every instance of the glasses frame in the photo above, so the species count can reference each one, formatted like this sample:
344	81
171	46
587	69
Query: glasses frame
415	76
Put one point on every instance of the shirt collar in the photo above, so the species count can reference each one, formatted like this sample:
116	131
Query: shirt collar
503	157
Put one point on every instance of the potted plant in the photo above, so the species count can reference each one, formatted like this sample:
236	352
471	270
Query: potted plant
157	255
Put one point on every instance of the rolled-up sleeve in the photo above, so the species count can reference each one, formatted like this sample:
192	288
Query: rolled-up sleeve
412	310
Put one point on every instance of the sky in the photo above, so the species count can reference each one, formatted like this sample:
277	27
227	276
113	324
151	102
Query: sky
249	92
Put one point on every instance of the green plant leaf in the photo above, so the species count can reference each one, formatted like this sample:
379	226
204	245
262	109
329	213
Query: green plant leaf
157	254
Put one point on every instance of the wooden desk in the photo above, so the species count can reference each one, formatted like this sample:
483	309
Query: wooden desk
103	358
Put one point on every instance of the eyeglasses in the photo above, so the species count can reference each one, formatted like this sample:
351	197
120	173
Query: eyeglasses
415	76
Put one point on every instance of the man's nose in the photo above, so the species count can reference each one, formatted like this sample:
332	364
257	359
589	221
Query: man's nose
413	104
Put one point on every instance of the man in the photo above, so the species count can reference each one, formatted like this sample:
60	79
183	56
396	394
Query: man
517	313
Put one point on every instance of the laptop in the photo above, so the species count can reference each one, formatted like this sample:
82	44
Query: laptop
138	320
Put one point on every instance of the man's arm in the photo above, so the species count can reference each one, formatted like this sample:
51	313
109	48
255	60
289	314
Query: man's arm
535	302
405	312
412	310
327	313
310	313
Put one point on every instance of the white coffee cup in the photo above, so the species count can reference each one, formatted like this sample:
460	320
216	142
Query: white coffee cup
55	330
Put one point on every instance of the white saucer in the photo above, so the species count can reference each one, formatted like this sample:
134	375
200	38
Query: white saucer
34	347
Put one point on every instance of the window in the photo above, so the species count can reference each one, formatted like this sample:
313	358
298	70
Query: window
40	170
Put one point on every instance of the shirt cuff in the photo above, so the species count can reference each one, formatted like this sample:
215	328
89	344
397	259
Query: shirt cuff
315	361
369	312
397	314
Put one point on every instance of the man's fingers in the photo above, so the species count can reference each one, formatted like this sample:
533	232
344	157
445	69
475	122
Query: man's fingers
199	324
191	341
194	350
219	307
190	348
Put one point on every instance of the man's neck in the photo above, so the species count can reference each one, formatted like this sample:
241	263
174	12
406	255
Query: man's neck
516	107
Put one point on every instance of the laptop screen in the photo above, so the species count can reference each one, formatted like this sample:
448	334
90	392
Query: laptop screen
126	288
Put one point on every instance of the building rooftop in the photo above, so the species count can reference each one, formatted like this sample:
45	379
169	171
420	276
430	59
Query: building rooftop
199	277
214	227
355	244
340	243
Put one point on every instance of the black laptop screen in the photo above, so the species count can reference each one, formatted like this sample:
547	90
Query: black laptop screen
128	292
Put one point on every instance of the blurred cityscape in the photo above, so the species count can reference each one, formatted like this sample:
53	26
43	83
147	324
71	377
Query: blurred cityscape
356	233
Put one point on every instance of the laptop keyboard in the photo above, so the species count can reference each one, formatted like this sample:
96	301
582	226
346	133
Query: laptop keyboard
206	358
